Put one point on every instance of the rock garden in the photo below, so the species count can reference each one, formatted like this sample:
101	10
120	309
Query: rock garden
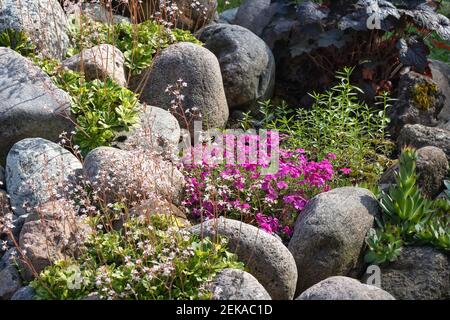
224	150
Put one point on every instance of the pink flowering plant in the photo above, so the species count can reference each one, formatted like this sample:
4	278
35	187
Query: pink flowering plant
246	189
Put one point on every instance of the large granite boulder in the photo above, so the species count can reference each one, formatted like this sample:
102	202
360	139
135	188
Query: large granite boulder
30	104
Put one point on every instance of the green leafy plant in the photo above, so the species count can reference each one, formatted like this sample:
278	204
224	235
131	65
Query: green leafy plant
149	259
408	217
340	124
100	108
17	41
404	204
384	245
138	42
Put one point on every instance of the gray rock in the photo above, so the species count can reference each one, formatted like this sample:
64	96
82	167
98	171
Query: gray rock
419	102
119	174
445	126
159	130
228	16
196	66
344	288
30	104
419	136
441	75
44	21
432	168
51	232
36	170
233	284
24	293
329	235
2	178
98	12
99	62
267	259
246	62
8	258
419	273
254	15
9	282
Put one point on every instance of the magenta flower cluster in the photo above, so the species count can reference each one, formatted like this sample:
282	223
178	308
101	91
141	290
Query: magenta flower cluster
243	190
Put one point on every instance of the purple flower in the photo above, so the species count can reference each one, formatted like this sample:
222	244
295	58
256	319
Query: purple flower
331	156
268	224
282	185
243	191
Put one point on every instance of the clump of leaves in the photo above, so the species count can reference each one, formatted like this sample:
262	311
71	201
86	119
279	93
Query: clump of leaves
408	218
138	42
17	41
337	123
149	259
100	108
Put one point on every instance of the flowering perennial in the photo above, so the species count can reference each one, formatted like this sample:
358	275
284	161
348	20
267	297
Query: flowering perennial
243	190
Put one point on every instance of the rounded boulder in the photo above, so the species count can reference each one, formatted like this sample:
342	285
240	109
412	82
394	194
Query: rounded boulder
267	259
329	235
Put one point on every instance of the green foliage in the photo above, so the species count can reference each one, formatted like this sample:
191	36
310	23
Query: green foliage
408	217
141	261
384	245
100	108
17	41
404	204
223	5
440	49
337	123
138	42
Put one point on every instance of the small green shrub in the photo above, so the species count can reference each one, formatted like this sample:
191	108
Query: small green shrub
100	108
340	124
408	218
138	42
148	259
17	41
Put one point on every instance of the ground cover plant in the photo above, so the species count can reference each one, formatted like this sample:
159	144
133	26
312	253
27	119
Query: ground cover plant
151	259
